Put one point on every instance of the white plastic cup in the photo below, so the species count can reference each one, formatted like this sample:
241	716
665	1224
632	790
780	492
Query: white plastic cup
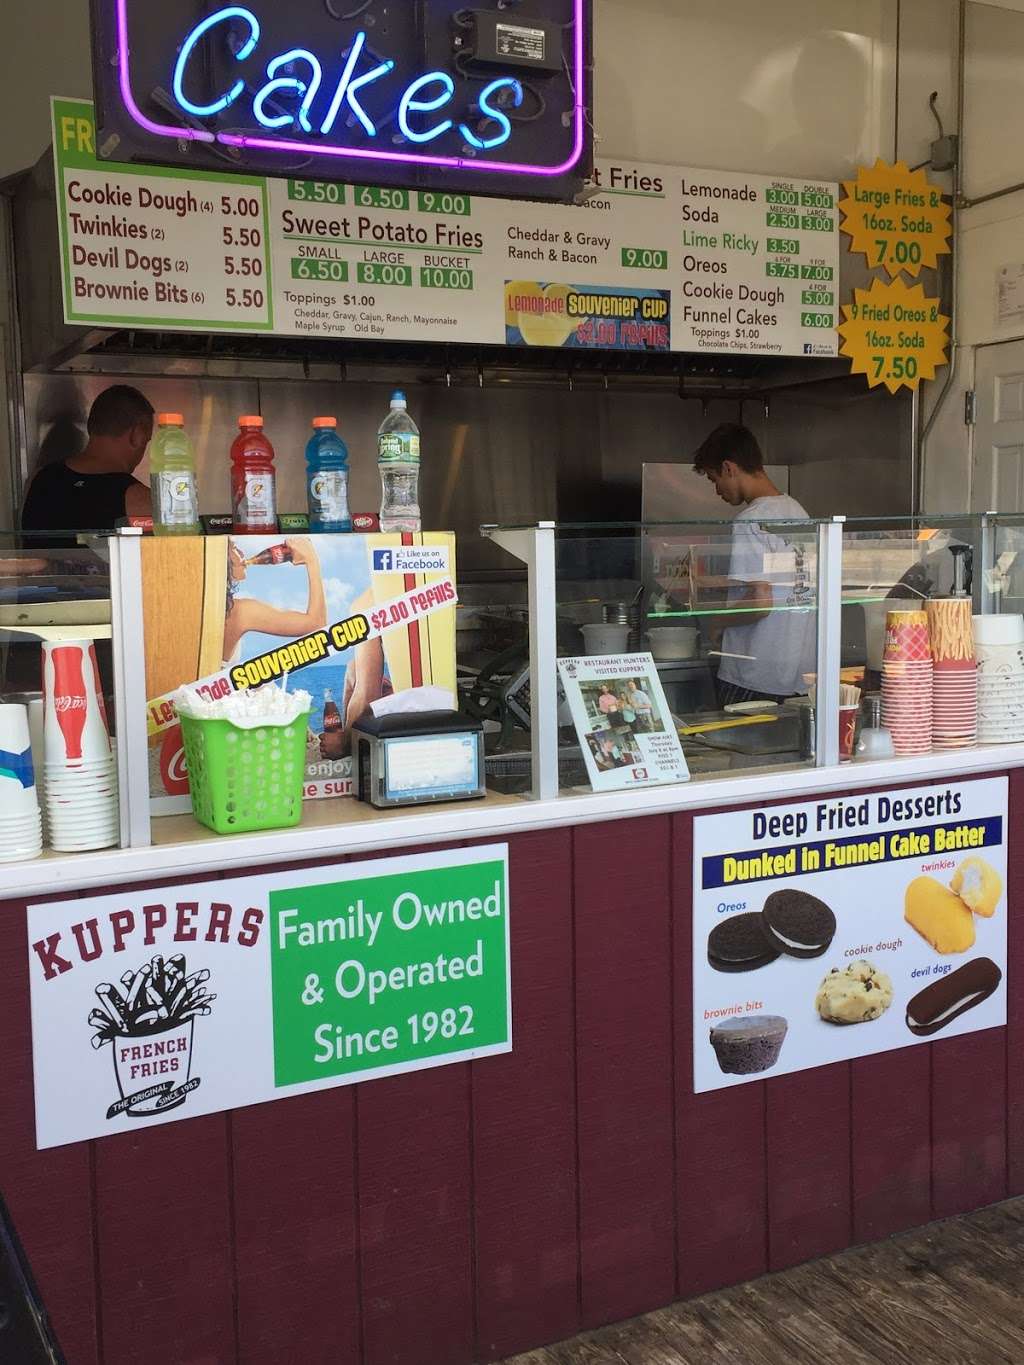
74	724
17	775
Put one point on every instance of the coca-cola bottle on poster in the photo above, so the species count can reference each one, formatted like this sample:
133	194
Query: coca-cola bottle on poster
332	716
276	554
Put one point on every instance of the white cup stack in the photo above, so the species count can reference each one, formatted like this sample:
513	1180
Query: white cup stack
1000	649
21	832
80	768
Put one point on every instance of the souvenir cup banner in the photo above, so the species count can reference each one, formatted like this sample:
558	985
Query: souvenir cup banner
894	335
659	258
847	926
897	218
153	1006
353	620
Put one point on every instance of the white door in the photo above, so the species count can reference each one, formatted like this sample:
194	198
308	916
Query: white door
998	483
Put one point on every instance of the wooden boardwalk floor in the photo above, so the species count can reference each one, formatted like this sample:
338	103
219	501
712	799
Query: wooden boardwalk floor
948	1294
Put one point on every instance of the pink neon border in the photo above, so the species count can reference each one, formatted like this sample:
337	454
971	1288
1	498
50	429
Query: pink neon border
355	153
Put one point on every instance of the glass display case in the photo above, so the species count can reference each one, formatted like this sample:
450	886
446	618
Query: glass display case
765	642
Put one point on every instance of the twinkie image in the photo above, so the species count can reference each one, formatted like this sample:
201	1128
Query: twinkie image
148	1023
587	317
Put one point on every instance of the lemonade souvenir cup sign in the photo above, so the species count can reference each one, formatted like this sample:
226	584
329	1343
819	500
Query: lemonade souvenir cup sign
894	334
896	217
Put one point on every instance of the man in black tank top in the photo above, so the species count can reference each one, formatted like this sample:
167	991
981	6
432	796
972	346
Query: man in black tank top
94	490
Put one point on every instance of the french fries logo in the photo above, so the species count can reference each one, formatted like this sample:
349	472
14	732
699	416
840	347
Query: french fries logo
149	1023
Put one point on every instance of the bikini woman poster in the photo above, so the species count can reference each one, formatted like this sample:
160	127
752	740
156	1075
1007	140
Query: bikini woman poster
225	600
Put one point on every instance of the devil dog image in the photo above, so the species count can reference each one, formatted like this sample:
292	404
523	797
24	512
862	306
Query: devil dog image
149	1021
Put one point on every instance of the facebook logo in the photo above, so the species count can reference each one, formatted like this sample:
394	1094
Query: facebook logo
808	348
383	561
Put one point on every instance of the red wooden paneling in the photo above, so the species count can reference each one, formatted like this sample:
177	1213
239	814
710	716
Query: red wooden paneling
49	1194
164	1237
414	1179
469	1212
968	1122
1015	987
165	1263
294	1196
624	1072
808	1127
891	1142
524	1121
721	1184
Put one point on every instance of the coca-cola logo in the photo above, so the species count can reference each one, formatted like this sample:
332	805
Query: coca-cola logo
173	770
66	703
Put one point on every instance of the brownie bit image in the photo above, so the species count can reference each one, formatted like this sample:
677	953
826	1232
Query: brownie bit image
749	1043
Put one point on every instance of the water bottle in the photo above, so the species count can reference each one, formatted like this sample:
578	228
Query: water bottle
398	459
327	477
172	466
253	495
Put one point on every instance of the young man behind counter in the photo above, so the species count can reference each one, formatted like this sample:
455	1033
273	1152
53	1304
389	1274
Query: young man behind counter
770	636
96	489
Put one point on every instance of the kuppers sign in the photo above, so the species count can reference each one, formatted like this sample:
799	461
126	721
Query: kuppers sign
153	1006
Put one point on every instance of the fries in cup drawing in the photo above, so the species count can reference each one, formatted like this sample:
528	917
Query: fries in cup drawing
148	1019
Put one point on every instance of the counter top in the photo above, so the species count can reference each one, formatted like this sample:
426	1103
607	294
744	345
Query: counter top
182	848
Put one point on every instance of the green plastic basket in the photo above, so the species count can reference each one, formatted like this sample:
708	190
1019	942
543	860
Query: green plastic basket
243	780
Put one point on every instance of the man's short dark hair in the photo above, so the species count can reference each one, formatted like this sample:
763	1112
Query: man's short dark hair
117	410
730	441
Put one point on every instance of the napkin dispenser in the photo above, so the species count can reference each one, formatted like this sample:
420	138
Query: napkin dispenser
417	759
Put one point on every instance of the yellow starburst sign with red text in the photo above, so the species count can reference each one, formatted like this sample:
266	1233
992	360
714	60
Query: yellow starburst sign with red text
896	217
894	334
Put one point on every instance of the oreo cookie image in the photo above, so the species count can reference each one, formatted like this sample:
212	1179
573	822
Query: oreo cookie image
739	944
797	924
949	997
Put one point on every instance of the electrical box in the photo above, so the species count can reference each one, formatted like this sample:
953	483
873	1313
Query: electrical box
499	38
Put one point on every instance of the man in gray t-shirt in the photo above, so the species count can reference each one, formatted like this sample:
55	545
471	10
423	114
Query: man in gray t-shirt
770	626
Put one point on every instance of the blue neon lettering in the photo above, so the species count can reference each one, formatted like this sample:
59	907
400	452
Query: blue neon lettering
347	88
206	110
308	90
410	104
489	111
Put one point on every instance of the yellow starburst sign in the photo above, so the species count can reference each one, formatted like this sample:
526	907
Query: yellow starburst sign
896	217
894	334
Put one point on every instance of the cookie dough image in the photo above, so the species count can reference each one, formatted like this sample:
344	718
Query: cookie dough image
939	916
749	1043
978	885
854	995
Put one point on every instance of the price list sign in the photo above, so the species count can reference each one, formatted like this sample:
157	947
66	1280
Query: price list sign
374	262
759	265
157	248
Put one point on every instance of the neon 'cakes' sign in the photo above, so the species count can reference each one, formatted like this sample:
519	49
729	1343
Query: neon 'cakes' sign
352	105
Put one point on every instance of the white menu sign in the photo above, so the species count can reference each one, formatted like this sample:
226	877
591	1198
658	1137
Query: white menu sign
658	259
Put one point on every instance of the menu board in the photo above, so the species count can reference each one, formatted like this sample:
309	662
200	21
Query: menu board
657	259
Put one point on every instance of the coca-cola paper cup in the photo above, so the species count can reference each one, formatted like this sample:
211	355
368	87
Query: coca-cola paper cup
74	719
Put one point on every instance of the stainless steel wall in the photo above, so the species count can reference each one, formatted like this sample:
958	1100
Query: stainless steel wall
496	453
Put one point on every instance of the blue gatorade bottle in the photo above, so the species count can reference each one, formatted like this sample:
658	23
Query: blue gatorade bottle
327	477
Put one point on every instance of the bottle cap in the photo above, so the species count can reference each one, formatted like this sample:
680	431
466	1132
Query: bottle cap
398	397
250	421
170	419
325	421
